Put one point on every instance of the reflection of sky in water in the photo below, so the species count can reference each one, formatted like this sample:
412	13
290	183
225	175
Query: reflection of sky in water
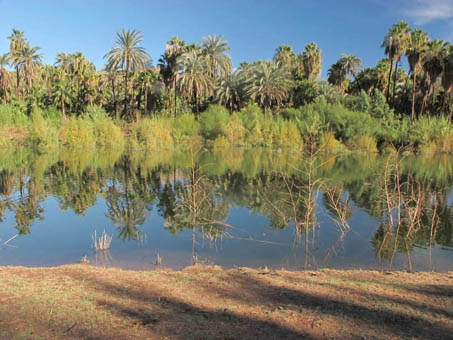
63	237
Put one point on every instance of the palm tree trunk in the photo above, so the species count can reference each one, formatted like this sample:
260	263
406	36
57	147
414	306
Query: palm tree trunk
63	116
423	104
125	89
395	75
115	103
146	100
175	95
413	97
389	81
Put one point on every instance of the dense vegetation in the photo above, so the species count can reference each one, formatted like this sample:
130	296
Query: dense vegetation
194	94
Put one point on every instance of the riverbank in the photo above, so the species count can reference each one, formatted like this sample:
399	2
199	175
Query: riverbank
199	302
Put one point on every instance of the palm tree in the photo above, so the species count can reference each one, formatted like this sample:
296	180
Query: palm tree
63	60
336	75
367	80
214	48
311	61
447	76
415	53
147	78
270	85
26	58
5	78
168	62
230	90
284	55
395	44
17	43
127	55
351	64
194	80
433	65
61	93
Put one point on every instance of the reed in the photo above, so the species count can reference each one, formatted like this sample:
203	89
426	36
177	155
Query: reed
101	243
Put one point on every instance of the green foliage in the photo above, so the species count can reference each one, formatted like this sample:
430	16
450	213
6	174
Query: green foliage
107	134
41	134
11	114
251	115
94	112
433	134
328	143
213	121
184	127
235	130
287	134
52	115
77	133
152	133
290	113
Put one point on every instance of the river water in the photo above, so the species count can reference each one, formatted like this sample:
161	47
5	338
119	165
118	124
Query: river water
230	207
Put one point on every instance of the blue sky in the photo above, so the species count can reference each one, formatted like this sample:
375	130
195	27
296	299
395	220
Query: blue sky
253	28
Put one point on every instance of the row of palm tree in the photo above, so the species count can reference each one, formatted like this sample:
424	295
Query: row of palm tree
203	73
433	59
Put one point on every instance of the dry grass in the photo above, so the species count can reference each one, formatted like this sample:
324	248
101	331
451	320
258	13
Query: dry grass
87	302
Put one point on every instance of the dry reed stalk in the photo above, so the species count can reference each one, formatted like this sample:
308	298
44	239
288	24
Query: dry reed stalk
102	242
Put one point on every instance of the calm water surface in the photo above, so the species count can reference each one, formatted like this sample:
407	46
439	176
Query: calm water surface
235	207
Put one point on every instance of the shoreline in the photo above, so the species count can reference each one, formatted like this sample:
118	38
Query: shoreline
88	302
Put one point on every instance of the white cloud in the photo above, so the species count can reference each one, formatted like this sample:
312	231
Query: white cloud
425	11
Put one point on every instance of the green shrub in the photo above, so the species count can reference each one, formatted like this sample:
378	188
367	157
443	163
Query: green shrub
235	131
328	143
52	114
287	134
290	113
184	127
107	134
41	134
77	133
152	133
251	115
365	143
213	121
12	114
94	112
433	134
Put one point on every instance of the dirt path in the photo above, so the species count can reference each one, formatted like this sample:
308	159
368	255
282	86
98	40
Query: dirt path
86	302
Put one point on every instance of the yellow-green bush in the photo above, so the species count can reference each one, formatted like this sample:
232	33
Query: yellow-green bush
184	127
77	133
288	135
365	143
153	133
41	134
328	143
234	130
107	134
220	142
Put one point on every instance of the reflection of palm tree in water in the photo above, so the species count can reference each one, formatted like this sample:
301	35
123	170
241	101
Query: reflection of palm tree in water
192	204
127	207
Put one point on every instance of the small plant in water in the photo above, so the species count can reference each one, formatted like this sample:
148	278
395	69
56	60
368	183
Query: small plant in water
158	260
102	242
85	260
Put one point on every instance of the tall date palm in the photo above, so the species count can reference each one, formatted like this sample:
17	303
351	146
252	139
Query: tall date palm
194	80
127	55
415	53
214	48
5	59
270	85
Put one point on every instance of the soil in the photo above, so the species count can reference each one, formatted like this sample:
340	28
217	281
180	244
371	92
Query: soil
206	302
